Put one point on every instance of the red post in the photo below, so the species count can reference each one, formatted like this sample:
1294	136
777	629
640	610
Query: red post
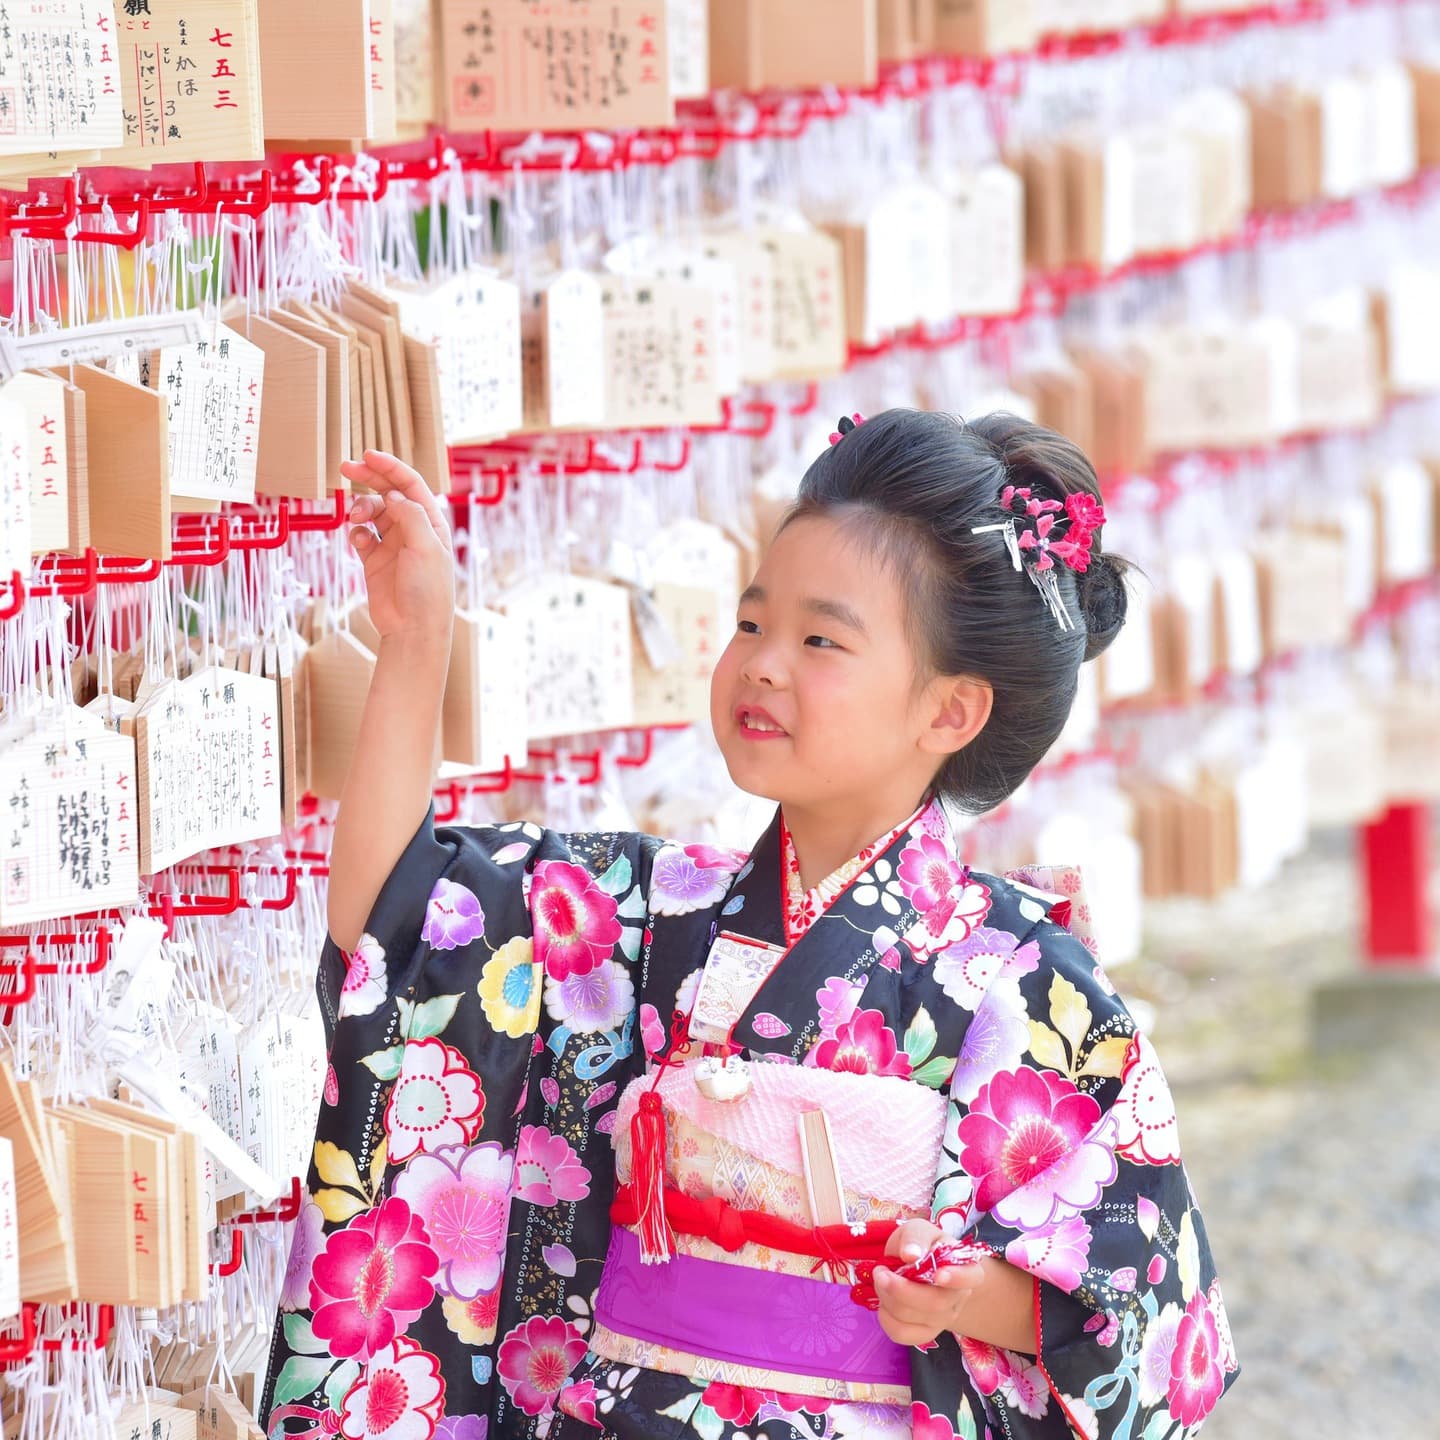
1398	924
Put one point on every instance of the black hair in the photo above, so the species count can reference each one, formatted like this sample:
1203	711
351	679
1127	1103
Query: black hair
917	484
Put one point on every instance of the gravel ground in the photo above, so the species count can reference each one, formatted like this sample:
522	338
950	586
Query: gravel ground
1319	1176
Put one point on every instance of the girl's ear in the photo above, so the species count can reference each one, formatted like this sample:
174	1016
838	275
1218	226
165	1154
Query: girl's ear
959	708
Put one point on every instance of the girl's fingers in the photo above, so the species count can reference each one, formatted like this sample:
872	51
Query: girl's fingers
363	539
385	474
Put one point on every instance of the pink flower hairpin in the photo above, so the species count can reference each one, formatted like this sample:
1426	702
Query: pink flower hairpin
846	425
1029	535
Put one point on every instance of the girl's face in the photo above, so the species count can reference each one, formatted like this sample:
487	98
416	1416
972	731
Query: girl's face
815	701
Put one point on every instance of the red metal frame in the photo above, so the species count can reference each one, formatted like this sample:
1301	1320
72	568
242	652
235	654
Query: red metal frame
1395	866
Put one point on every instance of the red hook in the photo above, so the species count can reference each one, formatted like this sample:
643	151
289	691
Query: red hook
672	467
237	1254
288	1209
272	540
205	557
193	905
10	608
106	1321
12	1352
331	519
26	971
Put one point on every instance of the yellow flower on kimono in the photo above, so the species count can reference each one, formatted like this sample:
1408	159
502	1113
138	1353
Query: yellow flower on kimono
510	988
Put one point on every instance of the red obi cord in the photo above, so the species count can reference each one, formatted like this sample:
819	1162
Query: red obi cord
716	1219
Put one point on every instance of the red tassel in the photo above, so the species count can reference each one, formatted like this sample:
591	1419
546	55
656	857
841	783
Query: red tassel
647	1178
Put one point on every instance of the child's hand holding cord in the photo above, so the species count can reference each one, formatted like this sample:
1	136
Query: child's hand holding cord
990	1301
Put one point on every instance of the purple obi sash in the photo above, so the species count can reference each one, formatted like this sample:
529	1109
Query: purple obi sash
746	1317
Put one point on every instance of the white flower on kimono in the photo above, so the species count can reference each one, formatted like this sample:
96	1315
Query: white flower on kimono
1149	1133
967	968
437	1101
453	917
463	1196
1058	1253
689	989
1083	1420
1025	1387
1156	1350
691	877
871	1420
1037	1148
400	1396
364	989
996	1039
1222	1324
1187	1256
598	999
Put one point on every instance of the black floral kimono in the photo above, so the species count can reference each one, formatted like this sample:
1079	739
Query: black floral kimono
976	1066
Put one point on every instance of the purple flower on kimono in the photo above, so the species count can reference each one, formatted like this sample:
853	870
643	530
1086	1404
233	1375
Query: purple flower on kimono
966	969
464	1427
463	1196
598	999
1036	1147
996	1039
307	1241
691	878
1058	1253
453	917
837	1000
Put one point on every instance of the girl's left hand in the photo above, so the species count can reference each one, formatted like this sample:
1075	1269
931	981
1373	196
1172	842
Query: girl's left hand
914	1312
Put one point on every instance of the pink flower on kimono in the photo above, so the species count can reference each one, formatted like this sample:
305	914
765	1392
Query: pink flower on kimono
463	1196
1148	1131
739	1404
399	1397
652	1030
925	1426
966	969
453	917
307	1241
927	873
996	1039
691	878
1197	1377
536	1358
1058	1253
364	989
547	1170
575	924
372	1279
437	1101
578	1402
988	1365
1026	1389
864	1045
1028	1142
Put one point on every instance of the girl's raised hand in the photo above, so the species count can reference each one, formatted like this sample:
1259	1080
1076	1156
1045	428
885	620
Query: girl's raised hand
402	535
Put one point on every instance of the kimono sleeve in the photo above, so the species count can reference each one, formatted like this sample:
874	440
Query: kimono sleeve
1062	1154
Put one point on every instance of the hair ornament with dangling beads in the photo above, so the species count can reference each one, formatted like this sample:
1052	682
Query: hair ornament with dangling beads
1030	537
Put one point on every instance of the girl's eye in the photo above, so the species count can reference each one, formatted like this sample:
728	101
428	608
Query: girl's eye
748	627
820	642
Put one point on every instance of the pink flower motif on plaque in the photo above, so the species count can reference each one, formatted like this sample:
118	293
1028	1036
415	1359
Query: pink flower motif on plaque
575	920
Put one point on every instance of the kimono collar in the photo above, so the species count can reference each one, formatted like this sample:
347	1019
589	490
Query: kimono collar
904	902
803	907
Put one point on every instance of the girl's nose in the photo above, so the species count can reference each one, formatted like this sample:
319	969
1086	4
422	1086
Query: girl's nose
761	668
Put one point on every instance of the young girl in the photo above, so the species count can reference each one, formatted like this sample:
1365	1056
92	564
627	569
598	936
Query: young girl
633	1138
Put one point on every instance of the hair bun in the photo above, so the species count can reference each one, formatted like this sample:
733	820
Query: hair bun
1104	600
